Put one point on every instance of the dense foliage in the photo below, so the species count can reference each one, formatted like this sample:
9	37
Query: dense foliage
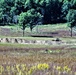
29	18
43	11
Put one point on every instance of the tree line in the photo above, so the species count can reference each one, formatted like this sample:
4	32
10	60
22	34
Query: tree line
33	12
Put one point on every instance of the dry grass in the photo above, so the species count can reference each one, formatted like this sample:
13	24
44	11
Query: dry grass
57	57
33	57
57	30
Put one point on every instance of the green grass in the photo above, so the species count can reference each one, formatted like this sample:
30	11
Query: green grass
23	45
48	27
15	45
37	30
43	38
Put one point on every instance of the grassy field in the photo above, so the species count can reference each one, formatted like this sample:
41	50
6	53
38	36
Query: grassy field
17	59
61	30
31	59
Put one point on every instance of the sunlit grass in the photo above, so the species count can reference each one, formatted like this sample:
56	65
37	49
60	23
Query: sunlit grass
23	69
15	30
37	62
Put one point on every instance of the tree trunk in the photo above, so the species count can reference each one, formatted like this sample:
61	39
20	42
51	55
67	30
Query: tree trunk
37	28
23	33
71	32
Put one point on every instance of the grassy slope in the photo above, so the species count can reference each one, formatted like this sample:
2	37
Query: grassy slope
46	28
40	29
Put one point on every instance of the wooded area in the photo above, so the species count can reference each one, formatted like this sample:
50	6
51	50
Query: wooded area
34	12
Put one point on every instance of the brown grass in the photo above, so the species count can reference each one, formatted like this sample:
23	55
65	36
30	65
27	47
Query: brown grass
15	54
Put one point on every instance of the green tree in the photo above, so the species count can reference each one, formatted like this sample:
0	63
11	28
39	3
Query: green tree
65	8
5	6
19	5
53	11
71	18
23	20
29	18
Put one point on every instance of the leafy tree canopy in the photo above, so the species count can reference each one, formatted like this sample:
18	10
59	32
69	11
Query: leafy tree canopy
53	11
